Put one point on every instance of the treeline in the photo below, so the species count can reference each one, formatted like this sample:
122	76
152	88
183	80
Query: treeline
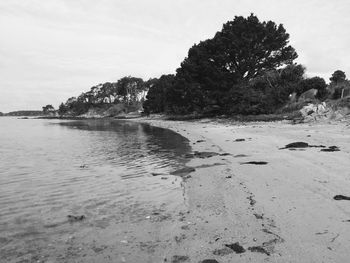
130	91
23	113
246	68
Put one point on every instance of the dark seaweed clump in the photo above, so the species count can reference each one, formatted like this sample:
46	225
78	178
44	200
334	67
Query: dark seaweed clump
236	247
256	162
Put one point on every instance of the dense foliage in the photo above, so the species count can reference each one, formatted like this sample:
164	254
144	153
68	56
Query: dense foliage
48	109
127	90
157	98
24	113
246	68
314	83
237	71
338	84
337	77
244	49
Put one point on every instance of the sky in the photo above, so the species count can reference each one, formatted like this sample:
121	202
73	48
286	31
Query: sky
51	50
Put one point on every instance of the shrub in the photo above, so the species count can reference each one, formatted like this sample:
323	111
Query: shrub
313	83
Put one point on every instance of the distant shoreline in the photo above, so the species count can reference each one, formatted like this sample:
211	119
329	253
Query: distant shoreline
238	118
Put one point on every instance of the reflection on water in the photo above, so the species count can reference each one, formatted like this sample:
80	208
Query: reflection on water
100	169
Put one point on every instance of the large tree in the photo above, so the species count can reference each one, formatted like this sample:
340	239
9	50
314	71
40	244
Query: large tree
338	83
244	49
247	46
129	87
48	108
337	77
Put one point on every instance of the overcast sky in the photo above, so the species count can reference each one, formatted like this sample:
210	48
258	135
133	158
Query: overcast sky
54	49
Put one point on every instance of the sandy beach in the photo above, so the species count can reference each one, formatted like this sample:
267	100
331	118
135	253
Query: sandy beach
280	209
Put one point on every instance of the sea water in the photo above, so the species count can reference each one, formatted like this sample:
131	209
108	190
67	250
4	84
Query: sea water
109	171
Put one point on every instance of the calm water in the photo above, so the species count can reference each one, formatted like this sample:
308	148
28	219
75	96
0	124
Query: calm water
101	169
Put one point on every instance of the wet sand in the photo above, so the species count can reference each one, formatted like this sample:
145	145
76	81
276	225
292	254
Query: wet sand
250	201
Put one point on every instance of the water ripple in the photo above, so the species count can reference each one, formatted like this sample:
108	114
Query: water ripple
101	169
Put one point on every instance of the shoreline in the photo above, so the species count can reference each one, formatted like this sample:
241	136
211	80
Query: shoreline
282	211
244	197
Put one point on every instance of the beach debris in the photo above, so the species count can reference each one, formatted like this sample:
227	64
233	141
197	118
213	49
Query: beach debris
236	247
224	154
341	197
83	166
259	249
72	218
186	177
124	241
164	178
296	145
209	261
202	155
183	171
240	155
256	162
161	218
331	149
200	141
209	165
222	251
257	216
269	246
251	200
239	140
317	146
156	174
189	155
156	213
334	238
229	176
177	259
322	233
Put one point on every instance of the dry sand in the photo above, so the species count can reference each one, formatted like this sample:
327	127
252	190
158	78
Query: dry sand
283	211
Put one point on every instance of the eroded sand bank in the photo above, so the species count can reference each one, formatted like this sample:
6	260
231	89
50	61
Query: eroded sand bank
281	211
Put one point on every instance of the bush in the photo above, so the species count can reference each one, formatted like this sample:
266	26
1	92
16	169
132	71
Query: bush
313	83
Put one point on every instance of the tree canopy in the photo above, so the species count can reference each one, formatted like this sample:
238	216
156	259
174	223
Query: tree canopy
338	83
48	108
337	77
127	90
314	83
156	99
244	49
